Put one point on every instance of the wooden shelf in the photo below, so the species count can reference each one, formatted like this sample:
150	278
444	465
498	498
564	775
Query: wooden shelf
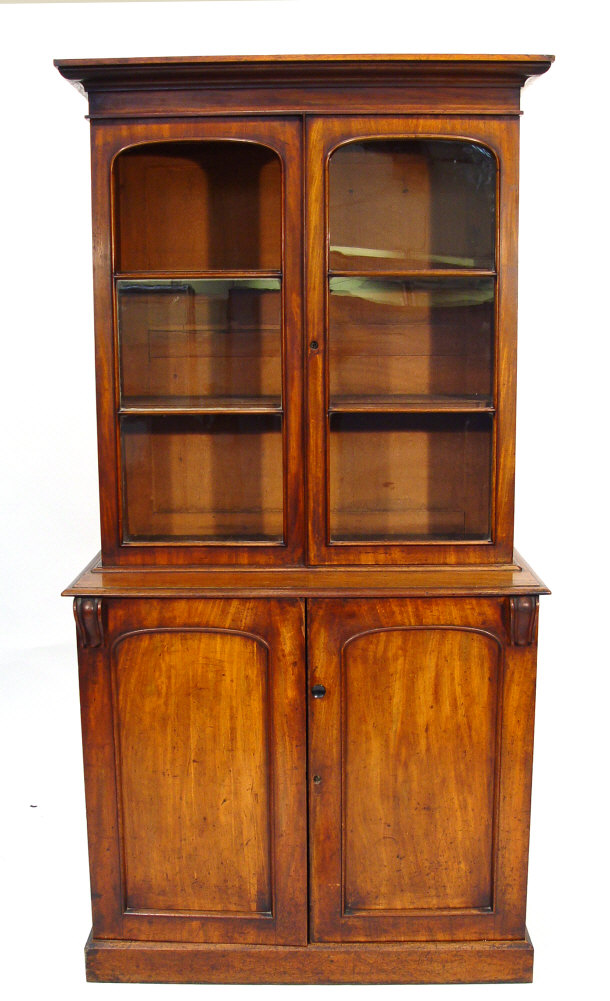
408	273
201	405
411	404
229	275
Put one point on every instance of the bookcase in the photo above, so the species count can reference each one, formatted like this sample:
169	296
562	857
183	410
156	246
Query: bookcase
307	649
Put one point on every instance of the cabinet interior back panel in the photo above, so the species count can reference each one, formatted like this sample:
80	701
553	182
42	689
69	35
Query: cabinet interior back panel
197	205
391	337
206	477
398	476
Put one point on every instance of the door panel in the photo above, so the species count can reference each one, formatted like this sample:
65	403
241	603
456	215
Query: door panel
410	238
203	701
414	757
200	334
418	763
202	786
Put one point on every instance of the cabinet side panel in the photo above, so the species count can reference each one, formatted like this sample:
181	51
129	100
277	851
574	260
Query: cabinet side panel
192	720
419	737
100	791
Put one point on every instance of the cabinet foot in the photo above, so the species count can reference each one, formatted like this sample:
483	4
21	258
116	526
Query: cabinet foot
358	963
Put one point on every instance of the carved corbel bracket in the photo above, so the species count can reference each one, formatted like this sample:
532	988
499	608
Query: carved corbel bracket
89	624
523	619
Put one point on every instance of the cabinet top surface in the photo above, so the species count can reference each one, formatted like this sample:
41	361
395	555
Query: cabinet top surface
134	73
467	581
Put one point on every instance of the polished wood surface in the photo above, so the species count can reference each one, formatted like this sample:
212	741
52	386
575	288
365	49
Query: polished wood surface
307	650
194	771
348	963
330	84
193	736
408	697
419	815
514	578
324	137
280	140
464	517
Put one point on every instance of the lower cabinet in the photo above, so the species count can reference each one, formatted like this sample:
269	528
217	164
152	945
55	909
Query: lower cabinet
416	761
422	751
195	758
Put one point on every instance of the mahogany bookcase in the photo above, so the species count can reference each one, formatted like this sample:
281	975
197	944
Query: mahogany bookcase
307	648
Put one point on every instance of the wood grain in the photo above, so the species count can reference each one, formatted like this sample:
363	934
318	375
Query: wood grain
513	578
190	478
348	963
325	138
279	139
302	484
194	733
396	478
329	84
193	727
418	822
419	711
157	187
199	341
411	346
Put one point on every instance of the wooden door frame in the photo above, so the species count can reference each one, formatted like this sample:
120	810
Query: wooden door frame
282	134
331	624
279	625
323	136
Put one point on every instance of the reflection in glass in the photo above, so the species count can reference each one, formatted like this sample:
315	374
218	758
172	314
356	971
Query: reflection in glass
198	342
212	478
402	477
417	203
397	339
197	206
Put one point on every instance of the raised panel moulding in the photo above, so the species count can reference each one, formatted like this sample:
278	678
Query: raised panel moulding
419	768
192	721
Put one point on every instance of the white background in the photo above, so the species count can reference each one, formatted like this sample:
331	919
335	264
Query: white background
48	463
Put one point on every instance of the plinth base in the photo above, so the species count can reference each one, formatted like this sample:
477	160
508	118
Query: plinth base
329	963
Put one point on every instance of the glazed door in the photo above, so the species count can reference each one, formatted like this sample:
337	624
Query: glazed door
198	321
194	737
410	235
419	771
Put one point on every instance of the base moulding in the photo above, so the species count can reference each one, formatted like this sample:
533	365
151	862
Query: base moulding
119	961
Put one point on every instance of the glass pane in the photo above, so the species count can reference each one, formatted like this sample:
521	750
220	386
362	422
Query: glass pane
403	340
197	206
418	203
200	343
213	478
403	476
